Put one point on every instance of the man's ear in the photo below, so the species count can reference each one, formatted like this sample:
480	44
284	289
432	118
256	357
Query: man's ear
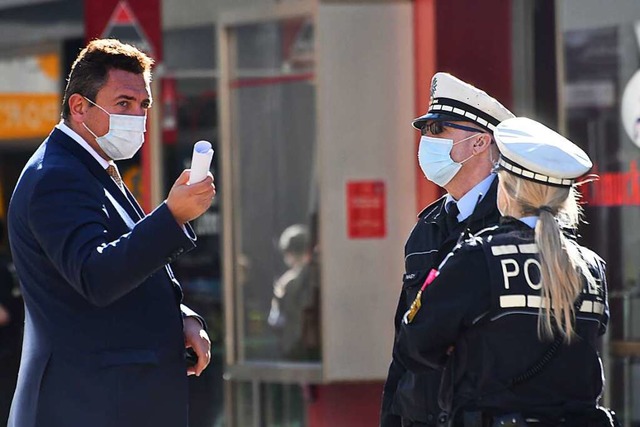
482	143
77	107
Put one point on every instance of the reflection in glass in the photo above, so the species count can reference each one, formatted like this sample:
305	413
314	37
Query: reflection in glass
275	193
294	304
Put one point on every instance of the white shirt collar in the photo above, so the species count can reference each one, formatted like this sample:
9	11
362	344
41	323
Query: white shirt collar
77	138
467	203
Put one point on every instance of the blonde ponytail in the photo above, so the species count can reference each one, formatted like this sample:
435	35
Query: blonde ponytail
563	269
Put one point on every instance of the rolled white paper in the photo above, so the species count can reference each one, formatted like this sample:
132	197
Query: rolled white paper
200	161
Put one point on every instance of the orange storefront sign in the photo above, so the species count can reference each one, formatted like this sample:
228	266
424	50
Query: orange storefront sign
28	115
30	95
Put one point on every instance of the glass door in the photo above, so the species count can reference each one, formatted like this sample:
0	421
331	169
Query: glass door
270	203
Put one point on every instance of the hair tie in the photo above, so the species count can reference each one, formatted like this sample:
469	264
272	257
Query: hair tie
546	209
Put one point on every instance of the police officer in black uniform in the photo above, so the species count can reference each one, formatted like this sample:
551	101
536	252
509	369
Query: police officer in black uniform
515	312
457	152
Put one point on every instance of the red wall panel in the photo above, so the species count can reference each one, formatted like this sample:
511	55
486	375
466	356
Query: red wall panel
474	44
348	405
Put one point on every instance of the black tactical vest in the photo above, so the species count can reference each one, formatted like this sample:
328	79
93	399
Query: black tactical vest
515	279
501	363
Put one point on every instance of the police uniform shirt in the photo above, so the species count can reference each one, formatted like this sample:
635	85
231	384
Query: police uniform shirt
467	203
485	306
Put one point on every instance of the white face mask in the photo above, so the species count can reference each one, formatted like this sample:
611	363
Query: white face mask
125	135
434	156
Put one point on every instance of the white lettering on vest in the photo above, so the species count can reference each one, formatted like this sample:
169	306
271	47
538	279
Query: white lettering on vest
527	264
509	273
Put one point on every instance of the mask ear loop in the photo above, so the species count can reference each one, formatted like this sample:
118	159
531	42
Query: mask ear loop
90	131
463	140
90	101
105	111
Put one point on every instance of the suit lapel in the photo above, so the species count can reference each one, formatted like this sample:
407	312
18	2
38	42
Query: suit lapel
134	203
59	137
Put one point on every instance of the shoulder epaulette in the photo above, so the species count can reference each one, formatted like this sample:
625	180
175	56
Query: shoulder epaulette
486	231
432	206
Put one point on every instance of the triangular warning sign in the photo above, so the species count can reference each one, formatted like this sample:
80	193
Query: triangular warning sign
124	26
122	14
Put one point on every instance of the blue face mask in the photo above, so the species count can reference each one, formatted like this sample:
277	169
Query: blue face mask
434	157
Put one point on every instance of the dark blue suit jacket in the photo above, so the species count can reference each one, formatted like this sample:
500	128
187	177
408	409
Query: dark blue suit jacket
103	343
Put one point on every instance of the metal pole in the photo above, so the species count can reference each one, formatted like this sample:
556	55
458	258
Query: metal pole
256	406
155	141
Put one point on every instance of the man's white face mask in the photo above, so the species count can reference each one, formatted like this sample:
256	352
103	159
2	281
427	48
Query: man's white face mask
125	135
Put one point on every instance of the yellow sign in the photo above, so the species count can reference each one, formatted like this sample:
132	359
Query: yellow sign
30	99
28	115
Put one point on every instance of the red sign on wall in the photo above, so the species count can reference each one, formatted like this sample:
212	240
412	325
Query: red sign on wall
366	214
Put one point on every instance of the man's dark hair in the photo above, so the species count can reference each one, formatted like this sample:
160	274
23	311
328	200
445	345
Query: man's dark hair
90	69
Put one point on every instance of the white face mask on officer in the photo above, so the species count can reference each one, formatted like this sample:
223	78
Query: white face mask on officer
125	135
434	156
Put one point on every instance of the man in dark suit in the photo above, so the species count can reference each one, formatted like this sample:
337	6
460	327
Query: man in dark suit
105	333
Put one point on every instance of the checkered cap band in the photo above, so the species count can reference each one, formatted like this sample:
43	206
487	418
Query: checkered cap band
465	111
516	169
454	99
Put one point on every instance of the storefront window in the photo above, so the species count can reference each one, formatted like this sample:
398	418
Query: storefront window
189	106
199	271
275	192
601	92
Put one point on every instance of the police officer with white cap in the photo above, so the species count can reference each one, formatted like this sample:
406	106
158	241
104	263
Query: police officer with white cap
515	312
457	152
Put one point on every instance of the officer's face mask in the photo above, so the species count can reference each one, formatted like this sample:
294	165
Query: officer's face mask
434	156
125	135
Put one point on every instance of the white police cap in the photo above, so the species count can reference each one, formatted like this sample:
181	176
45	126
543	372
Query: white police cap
452	99
533	151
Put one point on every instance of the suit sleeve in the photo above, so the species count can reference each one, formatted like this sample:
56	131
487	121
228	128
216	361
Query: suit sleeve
67	217
187	312
460	294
